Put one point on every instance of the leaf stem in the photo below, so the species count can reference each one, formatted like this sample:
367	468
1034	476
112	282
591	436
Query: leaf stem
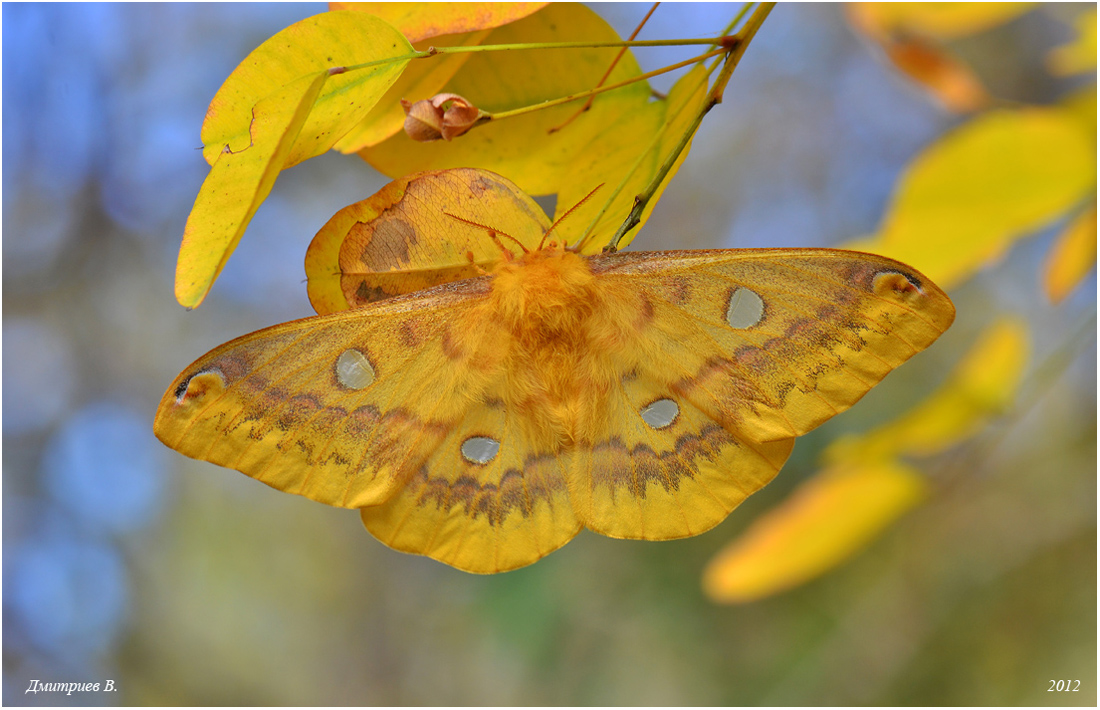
724	41
733	23
599	90
733	57
607	74
432	51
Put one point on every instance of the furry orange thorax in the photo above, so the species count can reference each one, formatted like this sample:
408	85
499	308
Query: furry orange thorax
560	328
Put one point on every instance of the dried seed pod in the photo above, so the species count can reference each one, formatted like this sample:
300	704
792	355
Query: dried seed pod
423	121
444	116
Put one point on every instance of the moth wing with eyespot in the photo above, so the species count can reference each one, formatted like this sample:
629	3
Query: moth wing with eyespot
300	405
377	406
742	350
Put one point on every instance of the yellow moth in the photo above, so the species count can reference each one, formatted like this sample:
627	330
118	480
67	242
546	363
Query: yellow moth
484	421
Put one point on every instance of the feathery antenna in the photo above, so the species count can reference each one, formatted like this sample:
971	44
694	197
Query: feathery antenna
568	212
493	232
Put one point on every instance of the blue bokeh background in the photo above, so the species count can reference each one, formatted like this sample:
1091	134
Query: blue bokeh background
189	584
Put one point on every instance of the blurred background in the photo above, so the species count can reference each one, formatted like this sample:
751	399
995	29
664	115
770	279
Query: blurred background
190	584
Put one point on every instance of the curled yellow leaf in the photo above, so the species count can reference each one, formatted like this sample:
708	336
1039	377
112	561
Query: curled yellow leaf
327	41
1071	257
962	202
825	521
980	387
239	181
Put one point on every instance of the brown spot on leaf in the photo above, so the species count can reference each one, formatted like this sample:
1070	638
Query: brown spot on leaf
481	184
389	243
366	293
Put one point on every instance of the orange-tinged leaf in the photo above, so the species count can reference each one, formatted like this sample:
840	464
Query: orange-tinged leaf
1079	55
944	20
1071	257
521	148
981	387
403	238
321	42
420	80
825	521
420	20
949	80
237	184
962	203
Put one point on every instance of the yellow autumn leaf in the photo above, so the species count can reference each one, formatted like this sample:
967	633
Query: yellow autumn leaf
321	42
426	25
619	143
418	231
981	387
826	520
522	148
1071	257
943	20
424	20
962	203
238	183
1079	55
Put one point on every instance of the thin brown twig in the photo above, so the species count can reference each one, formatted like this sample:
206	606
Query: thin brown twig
601	89
614	62
735	50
